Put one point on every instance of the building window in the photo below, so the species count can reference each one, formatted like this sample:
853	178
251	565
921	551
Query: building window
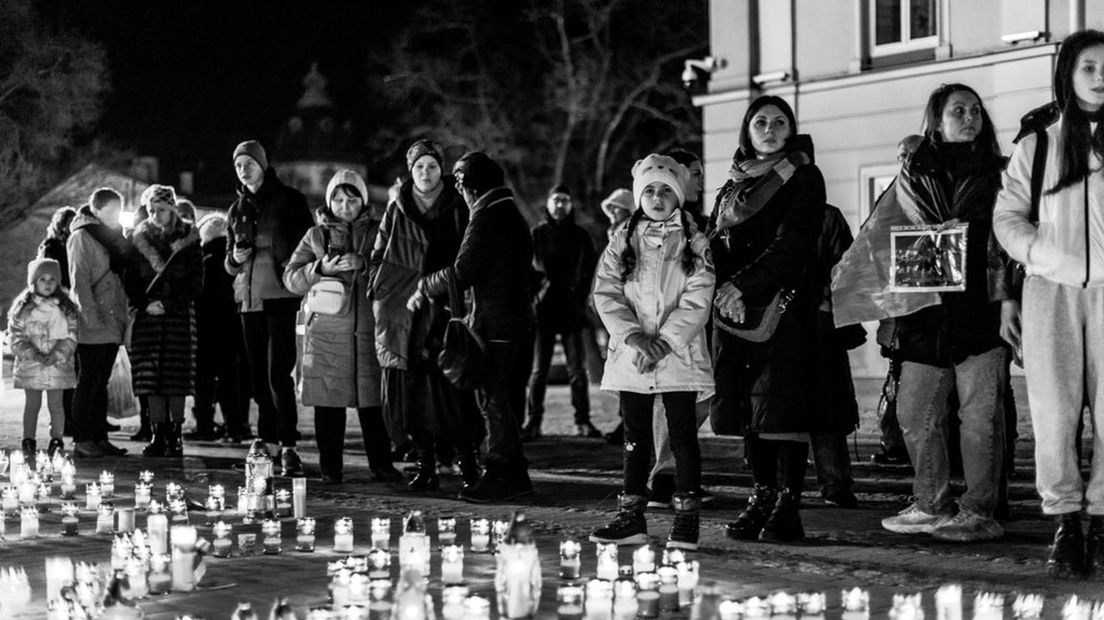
873	181
899	26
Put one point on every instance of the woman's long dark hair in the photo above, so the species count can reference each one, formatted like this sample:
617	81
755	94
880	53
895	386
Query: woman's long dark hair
628	255
747	151
933	117
58	228
1077	138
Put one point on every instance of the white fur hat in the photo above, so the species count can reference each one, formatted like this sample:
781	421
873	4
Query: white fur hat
656	167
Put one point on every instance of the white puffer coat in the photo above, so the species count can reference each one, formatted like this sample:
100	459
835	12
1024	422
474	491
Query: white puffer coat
658	298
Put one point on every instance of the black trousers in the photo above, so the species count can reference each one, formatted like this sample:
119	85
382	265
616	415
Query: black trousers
329	434
502	398
217	368
682	426
94	362
575	354
270	346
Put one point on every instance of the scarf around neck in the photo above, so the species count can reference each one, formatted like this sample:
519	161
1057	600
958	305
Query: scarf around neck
425	200
753	183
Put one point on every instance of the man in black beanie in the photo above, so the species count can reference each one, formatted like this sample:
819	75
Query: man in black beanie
266	223
495	262
564	253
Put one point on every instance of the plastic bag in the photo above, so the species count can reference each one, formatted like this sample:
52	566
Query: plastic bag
121	401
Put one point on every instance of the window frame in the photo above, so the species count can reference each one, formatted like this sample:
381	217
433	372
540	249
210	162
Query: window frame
869	177
906	44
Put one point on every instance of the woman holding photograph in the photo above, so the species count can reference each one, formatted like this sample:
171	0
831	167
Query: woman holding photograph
952	178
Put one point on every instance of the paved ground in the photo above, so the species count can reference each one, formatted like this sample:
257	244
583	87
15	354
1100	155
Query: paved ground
576	482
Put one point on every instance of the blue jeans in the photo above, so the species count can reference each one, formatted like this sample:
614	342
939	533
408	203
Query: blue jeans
922	410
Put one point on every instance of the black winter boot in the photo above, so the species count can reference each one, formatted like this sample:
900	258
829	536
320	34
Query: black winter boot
425	479
145	429
174	444
1094	549
684	531
158	443
784	523
750	522
469	469
629	526
1066	555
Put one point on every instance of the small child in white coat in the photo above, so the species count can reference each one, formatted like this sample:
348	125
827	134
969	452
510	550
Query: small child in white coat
654	291
42	329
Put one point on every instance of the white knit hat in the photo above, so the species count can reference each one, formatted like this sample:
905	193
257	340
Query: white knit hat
346	177
656	167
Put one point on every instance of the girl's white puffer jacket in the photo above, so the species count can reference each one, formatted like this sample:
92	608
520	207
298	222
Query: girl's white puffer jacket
1067	245
658	298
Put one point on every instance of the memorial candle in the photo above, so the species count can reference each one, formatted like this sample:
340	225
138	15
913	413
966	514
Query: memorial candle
948	602
624	600
107	484
668	589
644	560
570	562
68	480
273	538
173	491
157	528
477	608
137	574
783	606
3	463
42	493
160	578
339	588
855	603
343	535
811	605
687	581
1028	606
756	607
907	607
358	589
379	563
120	552
178	509
304	534
446	531
247	544
27	491
500	528
569	602
381	532
68	519
17	460
379	608
452	564
183	558
283	503
730	610
142	493
124	520
218	492
221	546
480	535
59	573
28	522
599	600
647	595
452	602
299	497
58	461
92	496
105	518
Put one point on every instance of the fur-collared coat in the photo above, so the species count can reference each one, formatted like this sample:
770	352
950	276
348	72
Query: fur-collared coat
164	265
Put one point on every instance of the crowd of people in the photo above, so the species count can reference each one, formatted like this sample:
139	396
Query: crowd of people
437	323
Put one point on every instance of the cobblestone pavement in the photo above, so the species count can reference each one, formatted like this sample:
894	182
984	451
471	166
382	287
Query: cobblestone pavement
576	481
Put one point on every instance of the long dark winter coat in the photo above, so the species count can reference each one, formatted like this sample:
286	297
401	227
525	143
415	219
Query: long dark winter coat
765	387
954	182
410	245
564	252
339	356
495	262
164	265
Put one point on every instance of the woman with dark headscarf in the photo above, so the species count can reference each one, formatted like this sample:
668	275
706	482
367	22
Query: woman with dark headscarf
764	233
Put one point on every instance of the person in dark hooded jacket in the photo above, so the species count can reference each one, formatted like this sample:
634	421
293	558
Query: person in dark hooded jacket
564	253
420	234
266	223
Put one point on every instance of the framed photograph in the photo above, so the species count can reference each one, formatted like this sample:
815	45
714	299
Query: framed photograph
925	259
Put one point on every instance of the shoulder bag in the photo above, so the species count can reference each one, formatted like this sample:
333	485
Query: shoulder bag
461	356
330	295
759	321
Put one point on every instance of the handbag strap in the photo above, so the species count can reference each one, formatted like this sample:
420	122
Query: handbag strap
456	301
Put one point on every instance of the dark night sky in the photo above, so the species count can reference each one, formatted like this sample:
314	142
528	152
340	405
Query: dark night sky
191	79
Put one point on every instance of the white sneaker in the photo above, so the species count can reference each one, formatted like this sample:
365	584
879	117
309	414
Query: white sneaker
912	520
967	527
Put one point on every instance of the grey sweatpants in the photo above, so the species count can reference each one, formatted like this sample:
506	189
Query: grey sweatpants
1063	351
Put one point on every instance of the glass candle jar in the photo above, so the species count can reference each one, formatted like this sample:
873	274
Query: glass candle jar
570	562
68	519
283	503
624	599
644	560
160	577
247	544
647	595
477	608
142	495
222	545
500	528
68	480
607	561
668	589
273	540
480	535
446	531
452	602
105	518
9	499
452	564
569	602
137	573
343	535
304	534
107	484
599	600
92	496
379	563
381	532
218	492
687	581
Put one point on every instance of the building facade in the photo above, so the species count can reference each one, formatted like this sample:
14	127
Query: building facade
858	74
